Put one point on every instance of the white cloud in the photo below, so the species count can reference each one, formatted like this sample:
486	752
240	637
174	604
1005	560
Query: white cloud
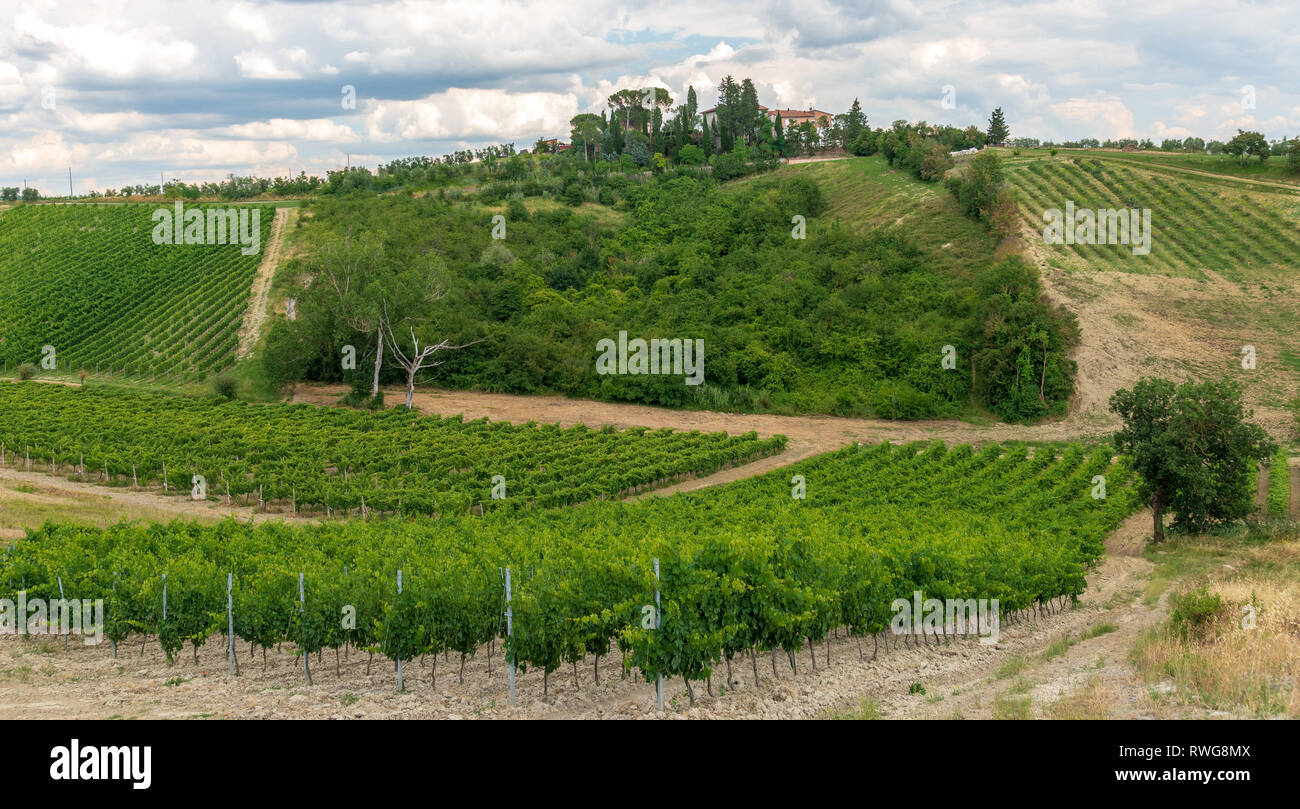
1106	117
319	129
465	114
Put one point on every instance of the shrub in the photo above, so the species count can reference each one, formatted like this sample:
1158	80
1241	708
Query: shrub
26	371
225	386
1278	502
516	211
1194	612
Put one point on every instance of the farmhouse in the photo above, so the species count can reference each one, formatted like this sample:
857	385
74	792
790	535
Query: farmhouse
790	118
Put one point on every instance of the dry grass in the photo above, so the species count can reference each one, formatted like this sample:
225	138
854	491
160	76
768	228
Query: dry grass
1228	664
1089	701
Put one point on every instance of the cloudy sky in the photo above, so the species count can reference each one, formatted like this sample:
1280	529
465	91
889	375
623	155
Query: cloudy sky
121	90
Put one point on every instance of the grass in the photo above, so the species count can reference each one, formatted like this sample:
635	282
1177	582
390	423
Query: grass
1087	702
868	708
1012	667
1241	659
1012	707
865	193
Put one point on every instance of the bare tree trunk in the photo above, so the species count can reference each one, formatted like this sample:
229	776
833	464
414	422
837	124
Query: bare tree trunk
379	360
410	386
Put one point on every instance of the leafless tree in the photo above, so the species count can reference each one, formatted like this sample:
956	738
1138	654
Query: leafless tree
420	356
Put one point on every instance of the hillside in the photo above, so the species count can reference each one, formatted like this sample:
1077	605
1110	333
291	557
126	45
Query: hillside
1219	283
91	282
846	311
1243	232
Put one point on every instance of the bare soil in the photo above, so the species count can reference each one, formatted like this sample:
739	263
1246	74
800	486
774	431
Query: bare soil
255	315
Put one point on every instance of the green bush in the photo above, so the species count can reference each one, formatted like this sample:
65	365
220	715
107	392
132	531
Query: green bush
226	386
1194	612
26	371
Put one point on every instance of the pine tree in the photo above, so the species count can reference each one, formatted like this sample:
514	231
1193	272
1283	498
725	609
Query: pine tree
998	132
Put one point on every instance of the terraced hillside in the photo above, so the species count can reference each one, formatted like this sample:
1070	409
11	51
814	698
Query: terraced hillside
90	281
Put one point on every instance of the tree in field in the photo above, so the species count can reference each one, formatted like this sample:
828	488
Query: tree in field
728	110
979	189
998	132
1193	450
413	292
749	116
1246	145
852	123
623	103
657	102
1293	156
346	271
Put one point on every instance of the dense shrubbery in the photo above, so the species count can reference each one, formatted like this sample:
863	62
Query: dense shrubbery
838	322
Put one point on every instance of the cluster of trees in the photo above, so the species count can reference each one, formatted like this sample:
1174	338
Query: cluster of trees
925	149
13	194
644	128
839	322
1243	146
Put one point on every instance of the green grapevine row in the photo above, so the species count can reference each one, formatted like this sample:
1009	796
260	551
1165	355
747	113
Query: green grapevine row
329	459
744	567
89	281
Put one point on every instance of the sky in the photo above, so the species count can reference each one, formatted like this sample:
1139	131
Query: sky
121	91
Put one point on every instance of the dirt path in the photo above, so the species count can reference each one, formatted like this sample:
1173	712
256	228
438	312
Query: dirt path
821	433
25	497
1077	665
255	315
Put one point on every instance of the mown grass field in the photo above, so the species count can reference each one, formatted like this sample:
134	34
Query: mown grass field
864	193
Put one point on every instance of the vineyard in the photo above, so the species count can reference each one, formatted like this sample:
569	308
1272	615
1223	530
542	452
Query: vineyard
753	566
89	281
1195	224
325	460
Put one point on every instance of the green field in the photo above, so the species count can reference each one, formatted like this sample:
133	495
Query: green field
1238	231
1273	170
89	281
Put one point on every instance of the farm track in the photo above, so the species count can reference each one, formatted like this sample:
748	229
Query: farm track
255	315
